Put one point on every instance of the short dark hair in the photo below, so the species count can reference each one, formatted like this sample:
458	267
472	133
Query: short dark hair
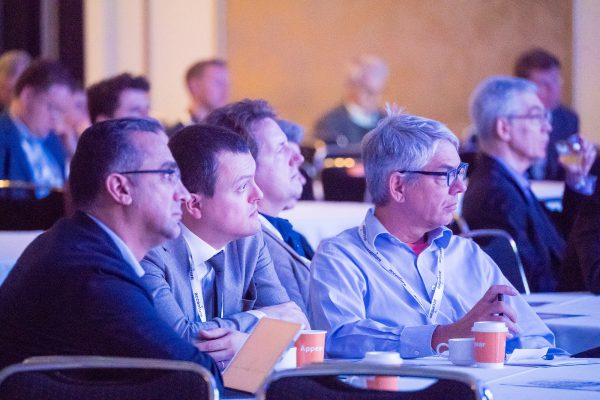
535	59
103	97
104	148
196	70
41	74
240	118
196	148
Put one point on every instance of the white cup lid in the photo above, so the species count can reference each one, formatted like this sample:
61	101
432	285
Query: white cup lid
383	357
489	326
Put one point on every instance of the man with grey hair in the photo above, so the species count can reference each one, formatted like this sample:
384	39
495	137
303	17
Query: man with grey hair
347	123
513	127
401	281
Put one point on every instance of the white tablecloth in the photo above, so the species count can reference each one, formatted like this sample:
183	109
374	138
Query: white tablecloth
12	244
318	220
573	333
532	383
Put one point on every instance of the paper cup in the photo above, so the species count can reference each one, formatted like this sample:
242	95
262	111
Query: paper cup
490	343
310	347
383	382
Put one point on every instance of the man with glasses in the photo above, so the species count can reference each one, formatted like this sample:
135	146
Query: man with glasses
77	289
543	69
401	281
513	129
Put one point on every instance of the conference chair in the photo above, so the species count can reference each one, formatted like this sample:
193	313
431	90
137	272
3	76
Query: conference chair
21	209
502	248
113	378
345	380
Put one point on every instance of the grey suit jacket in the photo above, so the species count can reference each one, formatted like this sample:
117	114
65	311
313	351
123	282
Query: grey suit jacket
246	281
292	269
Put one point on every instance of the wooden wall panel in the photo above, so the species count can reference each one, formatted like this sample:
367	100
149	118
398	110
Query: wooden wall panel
293	52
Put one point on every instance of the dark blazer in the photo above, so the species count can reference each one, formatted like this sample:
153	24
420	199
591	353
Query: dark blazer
494	200
581	269
293	270
245	280
13	161
72	293
336	123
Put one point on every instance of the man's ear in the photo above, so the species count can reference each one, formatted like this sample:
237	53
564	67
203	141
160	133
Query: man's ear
503	129
396	187
119	189
194	206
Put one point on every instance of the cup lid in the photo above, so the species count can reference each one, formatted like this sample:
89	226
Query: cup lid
489	326
383	357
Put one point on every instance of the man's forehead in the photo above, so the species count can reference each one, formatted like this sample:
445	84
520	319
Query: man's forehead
526	101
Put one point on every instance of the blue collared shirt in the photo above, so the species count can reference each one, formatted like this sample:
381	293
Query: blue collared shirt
125	251
364	308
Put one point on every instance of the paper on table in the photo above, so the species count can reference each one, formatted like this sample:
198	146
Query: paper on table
534	357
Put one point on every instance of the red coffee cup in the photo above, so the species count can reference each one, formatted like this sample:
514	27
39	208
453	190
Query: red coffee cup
490	343
310	347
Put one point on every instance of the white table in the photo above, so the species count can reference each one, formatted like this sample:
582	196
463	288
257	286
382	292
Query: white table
318	220
531	383
573	333
12	244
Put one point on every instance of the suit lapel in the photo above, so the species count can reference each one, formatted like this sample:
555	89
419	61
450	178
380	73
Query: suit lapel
287	248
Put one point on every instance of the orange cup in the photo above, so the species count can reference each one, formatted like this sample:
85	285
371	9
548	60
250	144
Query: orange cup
310	347
383	382
490	343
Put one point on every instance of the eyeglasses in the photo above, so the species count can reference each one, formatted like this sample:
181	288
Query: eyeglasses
451	176
171	175
546	116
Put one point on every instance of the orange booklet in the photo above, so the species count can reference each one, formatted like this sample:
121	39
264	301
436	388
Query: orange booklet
257	357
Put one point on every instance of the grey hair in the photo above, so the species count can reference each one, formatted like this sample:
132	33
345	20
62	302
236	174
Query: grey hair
400	142
493	99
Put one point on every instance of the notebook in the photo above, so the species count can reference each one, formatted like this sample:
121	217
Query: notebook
257	357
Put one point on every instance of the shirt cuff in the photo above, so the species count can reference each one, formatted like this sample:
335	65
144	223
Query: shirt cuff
258	314
415	341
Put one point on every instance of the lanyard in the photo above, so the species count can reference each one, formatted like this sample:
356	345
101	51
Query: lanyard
438	293
196	282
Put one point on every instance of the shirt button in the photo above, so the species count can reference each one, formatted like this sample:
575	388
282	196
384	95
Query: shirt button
416	353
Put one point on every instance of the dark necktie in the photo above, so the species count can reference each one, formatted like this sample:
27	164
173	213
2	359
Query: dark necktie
212	286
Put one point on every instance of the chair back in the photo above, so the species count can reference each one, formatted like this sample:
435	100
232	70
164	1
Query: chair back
502	248
109	378
346	380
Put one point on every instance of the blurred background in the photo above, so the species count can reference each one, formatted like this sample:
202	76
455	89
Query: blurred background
294	52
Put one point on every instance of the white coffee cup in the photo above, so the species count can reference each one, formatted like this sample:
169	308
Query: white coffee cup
460	351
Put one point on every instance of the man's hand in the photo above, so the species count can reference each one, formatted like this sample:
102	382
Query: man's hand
574	173
486	309
288	312
221	344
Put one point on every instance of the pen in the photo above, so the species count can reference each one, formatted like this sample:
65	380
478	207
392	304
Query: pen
500	297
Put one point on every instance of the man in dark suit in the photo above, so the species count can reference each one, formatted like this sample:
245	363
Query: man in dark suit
279	178
77	289
543	69
29	151
581	269
216	280
513	128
